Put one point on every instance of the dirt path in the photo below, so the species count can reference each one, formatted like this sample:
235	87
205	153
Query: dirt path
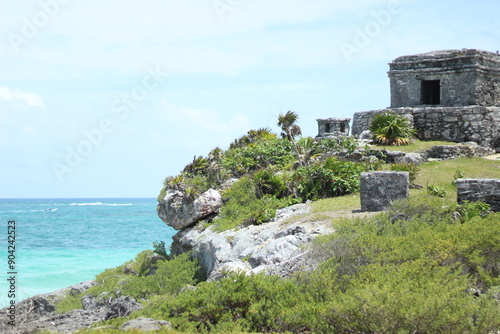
493	157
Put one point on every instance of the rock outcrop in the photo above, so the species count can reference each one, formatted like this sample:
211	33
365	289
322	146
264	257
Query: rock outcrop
179	210
275	247
37	313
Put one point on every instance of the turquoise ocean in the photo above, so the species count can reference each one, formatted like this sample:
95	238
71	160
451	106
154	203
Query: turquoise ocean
62	242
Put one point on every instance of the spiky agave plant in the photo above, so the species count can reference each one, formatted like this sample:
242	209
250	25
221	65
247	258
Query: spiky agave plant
391	129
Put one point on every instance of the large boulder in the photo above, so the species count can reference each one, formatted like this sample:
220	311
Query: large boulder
179	210
263	248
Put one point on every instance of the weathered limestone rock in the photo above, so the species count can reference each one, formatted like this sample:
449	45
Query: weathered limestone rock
38	313
145	324
379	189
410	158
179	210
484	190
263	248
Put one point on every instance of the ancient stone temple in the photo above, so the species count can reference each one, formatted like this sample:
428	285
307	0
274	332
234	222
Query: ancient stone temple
451	95
333	127
446	78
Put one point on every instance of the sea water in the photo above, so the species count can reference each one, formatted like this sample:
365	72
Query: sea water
62	242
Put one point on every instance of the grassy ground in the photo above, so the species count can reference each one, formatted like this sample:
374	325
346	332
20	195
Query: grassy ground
436	173
416	146
442	173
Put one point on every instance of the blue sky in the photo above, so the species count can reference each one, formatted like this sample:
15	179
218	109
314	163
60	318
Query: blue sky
107	98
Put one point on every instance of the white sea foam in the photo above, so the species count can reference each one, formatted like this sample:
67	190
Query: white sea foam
104	204
85	204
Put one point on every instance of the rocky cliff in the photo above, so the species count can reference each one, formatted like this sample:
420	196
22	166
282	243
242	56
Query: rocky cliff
277	247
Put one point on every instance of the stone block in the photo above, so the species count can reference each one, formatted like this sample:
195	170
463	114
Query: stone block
379	189
484	190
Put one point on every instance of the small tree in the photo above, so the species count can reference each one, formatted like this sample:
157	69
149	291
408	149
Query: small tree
391	129
288	124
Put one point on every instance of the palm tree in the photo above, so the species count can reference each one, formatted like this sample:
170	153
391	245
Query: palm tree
391	129
287	123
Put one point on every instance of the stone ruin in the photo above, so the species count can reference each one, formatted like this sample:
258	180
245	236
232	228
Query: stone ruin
379	189
484	190
451	95
333	127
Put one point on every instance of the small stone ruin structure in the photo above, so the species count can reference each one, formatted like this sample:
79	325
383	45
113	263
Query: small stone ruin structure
333	127
451	95
484	190
379	189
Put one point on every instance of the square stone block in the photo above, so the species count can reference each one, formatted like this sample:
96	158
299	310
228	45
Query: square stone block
379	189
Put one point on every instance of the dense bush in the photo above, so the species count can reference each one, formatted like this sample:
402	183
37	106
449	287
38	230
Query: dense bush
328	179
245	207
347	144
258	155
236	303
144	277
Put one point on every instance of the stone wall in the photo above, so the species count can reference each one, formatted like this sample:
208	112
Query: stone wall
456	124
447	152
464	77
333	127
379	189
484	190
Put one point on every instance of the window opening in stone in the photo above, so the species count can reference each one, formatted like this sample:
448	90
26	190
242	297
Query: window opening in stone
431	92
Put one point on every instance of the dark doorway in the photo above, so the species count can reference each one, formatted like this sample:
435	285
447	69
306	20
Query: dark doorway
431	92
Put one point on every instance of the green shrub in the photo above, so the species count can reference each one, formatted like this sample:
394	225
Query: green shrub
254	303
338	144
160	249
244	207
328	179
162	194
166	277
391	129
411	168
267	182
472	209
258	155
436	191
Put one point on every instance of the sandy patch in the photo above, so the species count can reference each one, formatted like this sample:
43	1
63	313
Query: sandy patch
493	157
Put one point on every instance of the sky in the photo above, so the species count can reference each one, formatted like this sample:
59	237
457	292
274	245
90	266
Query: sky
107	98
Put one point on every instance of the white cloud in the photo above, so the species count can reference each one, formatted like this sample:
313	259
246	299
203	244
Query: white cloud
206	126
12	95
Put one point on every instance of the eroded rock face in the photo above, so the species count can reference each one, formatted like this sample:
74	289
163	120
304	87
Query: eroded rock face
179	210
269	248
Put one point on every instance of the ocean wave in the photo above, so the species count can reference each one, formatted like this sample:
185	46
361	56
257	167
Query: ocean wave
48	209
104	204
85	204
